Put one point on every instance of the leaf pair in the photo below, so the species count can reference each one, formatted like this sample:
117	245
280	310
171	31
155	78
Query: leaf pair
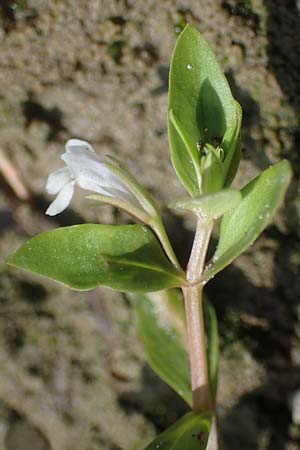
246	213
204	119
129	257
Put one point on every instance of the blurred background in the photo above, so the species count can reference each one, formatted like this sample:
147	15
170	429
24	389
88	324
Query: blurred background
73	374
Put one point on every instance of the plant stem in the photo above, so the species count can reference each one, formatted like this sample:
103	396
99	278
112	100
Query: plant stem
198	254
213	442
197	349
194	318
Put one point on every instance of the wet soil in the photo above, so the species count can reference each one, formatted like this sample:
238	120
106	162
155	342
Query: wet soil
73	374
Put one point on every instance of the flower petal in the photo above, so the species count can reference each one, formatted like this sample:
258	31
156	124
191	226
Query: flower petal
77	144
62	201
91	185
57	180
90	170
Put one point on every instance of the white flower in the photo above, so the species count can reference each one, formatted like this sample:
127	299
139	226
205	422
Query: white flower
89	171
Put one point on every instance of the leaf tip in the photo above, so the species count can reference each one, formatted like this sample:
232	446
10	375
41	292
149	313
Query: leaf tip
286	163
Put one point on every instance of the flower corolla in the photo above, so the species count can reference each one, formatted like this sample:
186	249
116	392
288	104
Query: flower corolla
85	168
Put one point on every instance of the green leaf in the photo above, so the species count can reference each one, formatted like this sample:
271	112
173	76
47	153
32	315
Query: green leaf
231	144
211	328
239	228
182	163
161	328
186	163
211	206
125	258
191	432
201	101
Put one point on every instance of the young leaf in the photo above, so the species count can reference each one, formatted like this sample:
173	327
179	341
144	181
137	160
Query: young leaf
200	99
240	228
212	170
211	206
191	432
161	328
125	258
